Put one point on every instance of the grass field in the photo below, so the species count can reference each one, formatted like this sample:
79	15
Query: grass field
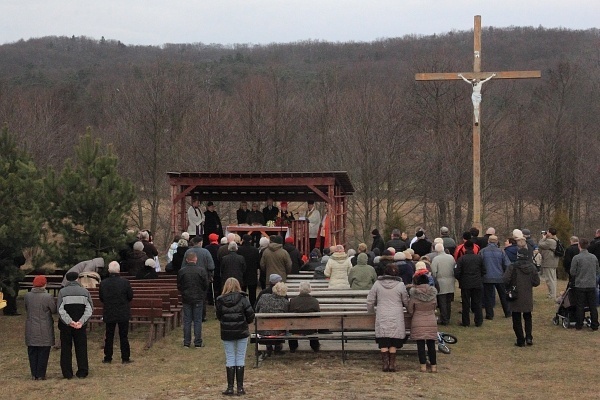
484	364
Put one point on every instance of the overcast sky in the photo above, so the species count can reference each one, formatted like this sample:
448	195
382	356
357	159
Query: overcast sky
155	22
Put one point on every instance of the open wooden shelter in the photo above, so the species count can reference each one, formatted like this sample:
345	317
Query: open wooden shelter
332	188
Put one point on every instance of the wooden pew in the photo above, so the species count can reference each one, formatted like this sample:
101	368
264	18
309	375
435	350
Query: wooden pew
340	325
144	311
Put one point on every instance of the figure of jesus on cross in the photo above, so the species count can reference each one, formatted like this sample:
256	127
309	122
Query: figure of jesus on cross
476	96
476	78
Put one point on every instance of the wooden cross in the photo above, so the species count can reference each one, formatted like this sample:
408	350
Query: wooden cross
476	76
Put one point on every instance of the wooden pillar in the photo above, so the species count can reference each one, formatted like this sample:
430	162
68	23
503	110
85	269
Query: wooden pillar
476	131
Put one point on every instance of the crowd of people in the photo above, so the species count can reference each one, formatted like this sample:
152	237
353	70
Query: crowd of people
416	274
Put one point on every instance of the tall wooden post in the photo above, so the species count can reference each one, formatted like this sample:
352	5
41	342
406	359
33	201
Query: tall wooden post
477	74
476	131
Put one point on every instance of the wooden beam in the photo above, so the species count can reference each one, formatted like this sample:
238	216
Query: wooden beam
444	76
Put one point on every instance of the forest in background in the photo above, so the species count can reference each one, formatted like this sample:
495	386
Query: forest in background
319	106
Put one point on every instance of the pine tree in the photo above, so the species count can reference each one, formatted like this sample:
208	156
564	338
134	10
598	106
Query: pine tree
20	216
20	185
89	202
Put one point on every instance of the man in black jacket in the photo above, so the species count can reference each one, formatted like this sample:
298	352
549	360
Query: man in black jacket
570	252
116	294
594	247
233	265
252	258
469	272
192	282
397	243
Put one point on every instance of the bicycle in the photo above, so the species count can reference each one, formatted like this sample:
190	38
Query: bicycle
444	338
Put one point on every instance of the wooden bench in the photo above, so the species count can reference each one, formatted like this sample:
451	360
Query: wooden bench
147	311
340	325
54	282
172	308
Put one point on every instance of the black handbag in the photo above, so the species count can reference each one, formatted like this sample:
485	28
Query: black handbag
511	291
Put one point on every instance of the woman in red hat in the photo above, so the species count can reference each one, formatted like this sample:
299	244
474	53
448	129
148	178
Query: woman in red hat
39	327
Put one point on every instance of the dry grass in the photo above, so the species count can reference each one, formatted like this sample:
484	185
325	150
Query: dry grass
483	364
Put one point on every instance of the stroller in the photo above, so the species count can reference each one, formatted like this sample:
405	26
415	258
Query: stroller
566	312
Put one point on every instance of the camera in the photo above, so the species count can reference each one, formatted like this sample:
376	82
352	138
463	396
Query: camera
543	232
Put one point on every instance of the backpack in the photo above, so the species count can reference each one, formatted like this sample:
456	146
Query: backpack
559	251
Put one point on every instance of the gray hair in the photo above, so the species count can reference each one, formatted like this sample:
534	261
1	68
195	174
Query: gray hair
144	235
574	239
232	246
304	288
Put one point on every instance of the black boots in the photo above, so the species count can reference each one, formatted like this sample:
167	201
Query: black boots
239	376
230	379
385	358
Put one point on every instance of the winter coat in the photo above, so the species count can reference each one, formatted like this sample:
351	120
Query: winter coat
178	258
594	247
235	313
378	243
295	256
233	265
39	326
252	259
150	249
135	262
362	276
511	252
585	270
203	258
495	262
337	270
383	262
470	271
449	244
192	283
147	273
405	271
275	260
92	265
311	265
546	247
390	296
526	277
74	304
570	252
116	294
272	303
304	303
398	244
461	250
421	247
421	307
442	269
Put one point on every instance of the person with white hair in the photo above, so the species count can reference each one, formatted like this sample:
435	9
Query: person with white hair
149	270
304	303
116	294
337	269
442	269
224	250
149	247
136	259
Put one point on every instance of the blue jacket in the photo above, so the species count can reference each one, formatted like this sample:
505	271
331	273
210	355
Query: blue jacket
495	262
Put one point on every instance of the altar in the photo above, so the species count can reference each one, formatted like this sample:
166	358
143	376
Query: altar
264	230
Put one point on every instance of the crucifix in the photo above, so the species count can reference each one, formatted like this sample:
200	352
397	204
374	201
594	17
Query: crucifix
476	78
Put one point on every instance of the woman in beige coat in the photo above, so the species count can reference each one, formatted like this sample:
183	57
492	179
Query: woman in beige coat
390	296
337	269
423	326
